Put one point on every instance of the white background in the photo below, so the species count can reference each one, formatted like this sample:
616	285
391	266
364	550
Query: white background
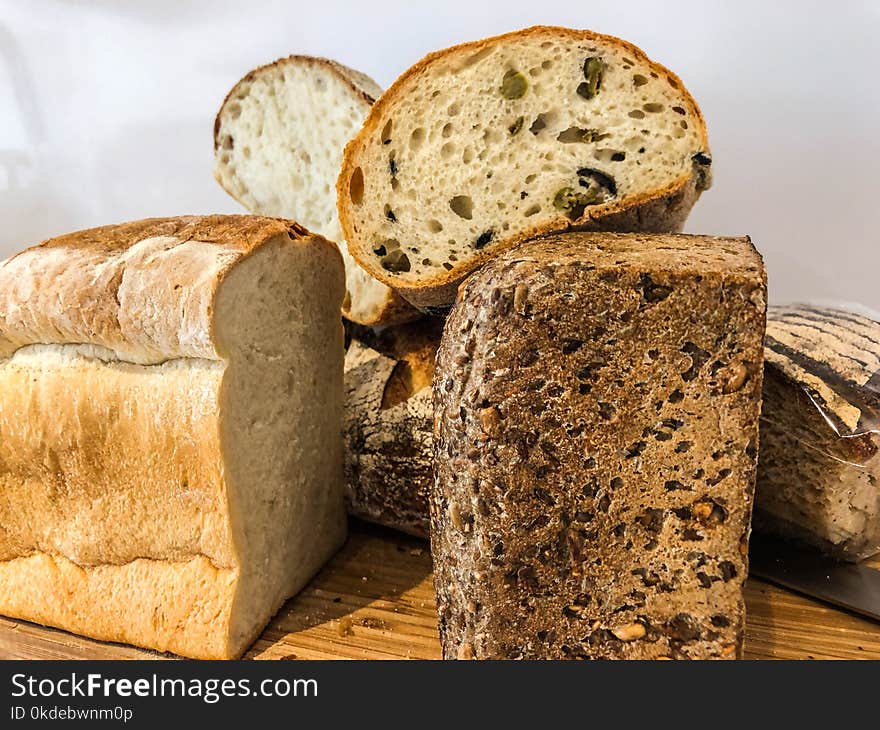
106	107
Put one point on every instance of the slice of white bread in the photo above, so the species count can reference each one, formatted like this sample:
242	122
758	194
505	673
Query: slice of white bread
487	143
171	465
278	141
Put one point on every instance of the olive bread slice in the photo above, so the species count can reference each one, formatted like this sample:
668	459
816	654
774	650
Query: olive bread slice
490	142
278	141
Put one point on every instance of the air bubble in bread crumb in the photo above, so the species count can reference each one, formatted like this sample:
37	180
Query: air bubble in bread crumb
385	136
476	57
356	186
462	206
417	138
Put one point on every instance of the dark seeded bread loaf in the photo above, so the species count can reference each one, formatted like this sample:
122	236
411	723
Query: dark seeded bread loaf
482	145
388	424
596	424
819	466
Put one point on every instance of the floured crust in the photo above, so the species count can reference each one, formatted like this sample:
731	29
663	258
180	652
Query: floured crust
662	210
820	453
388	424
144	290
832	355
388	464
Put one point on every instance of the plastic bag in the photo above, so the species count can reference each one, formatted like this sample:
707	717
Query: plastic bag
819	463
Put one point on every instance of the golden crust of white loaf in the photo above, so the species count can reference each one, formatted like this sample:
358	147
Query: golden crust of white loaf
129	461
661	210
393	310
144	289
119	602
385	306
114	510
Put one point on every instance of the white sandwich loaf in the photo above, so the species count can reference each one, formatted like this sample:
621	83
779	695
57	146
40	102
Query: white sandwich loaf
171	462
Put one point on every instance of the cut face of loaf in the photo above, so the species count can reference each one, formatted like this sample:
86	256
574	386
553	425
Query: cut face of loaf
596	404
819	467
172	482
388	423
484	144
278	141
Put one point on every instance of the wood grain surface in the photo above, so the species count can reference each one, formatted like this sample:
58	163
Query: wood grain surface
375	601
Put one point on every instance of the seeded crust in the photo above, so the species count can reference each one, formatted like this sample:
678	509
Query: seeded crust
278	141
389	419
661	206
819	465
596	431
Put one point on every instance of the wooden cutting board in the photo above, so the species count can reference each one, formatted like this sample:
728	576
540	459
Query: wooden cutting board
375	601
